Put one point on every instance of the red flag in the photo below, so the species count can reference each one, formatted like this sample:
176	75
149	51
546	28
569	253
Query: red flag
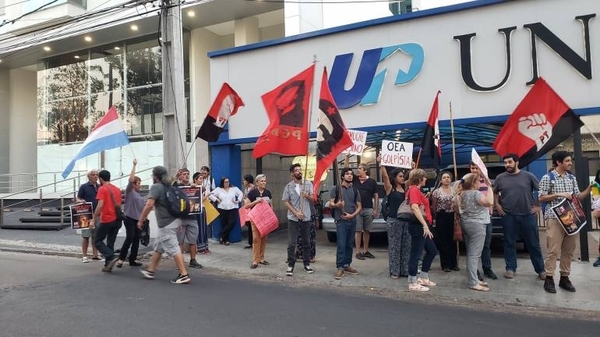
332	136
533	128
431	136
225	105
287	107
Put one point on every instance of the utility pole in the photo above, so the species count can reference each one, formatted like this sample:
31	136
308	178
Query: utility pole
174	108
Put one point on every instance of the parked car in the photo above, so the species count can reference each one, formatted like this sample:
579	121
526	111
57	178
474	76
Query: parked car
379	224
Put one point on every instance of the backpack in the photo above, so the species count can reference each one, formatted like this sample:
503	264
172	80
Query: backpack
333	210
385	209
552	177
177	201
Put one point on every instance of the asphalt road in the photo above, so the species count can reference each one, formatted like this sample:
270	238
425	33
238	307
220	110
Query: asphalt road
58	296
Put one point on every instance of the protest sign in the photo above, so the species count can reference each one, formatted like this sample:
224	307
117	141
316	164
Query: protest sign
359	139
193	195
81	214
570	215
264	218
479	162
211	212
308	171
397	154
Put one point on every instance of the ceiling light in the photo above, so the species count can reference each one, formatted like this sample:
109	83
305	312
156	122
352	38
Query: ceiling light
191	14
77	56
117	47
88	38
46	48
134	28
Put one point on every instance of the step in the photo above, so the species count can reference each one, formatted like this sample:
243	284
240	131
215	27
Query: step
45	219
54	213
42	226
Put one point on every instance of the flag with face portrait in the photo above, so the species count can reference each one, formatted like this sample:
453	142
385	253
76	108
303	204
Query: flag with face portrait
226	104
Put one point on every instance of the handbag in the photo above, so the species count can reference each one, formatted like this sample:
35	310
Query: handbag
145	233
405	211
118	210
458	234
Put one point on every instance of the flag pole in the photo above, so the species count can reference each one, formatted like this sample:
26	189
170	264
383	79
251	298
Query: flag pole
310	108
418	158
188	153
453	142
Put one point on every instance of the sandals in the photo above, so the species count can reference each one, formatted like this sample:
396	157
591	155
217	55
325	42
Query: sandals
484	284
426	282
480	287
264	263
395	277
417	287
119	264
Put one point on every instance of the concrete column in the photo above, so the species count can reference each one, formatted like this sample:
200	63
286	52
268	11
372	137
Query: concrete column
4	128
201	42
246	31
23	129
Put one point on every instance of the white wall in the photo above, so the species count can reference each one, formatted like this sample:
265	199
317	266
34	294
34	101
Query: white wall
254	72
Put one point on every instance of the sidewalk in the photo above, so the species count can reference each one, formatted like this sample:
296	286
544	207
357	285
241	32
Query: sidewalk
523	291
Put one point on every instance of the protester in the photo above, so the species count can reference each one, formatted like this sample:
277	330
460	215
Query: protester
168	225
188	231
346	203
202	241
248	182
442	200
486	253
397	229
474	208
87	193
370	210
421	236
228	200
514	191
259	244
205	230
596	208
297	197
554	188
133	205
105	215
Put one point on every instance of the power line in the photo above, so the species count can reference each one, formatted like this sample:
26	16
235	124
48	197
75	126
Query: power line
316	2
28	13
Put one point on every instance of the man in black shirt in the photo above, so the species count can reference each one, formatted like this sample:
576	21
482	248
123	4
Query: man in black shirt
370	210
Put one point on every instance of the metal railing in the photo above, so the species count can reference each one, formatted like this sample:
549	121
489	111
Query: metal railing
17	182
71	194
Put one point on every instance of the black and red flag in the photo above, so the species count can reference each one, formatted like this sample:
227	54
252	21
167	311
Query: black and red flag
332	136
539	123
431	136
287	107
225	105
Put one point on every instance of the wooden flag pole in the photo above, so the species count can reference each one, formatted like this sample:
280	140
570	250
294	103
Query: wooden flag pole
453	142
310	108
418	158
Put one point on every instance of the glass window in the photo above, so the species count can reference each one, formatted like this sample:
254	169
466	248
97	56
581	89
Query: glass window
144	64
145	110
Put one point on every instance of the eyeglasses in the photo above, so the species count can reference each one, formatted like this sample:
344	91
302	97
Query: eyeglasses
226	182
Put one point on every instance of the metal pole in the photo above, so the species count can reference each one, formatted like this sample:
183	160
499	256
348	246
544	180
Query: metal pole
62	212
582	174
41	202
174	108
1	211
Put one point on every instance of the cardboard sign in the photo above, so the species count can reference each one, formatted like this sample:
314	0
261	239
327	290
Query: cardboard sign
193	194
397	154
243	213
359	138
308	171
81	214
570	215
479	162
211	212
264	218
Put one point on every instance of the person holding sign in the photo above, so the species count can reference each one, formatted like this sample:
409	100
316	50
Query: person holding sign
259	244
556	186
514	200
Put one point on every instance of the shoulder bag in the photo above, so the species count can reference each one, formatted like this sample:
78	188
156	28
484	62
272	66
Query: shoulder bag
118	210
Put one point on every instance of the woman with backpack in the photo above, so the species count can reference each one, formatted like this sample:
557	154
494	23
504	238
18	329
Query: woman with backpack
397	229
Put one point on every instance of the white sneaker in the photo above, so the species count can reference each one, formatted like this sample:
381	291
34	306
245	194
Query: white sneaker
85	259
417	287
290	271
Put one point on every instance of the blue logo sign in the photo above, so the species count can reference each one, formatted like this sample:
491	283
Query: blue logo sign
367	86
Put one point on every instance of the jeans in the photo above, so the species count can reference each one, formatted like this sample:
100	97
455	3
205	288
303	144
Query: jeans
109	232
486	253
474	234
526	227
228	217
202	241
418	243
344	230
132	239
295	227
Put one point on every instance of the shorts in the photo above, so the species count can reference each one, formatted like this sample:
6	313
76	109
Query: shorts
188	232
89	233
364	220
166	242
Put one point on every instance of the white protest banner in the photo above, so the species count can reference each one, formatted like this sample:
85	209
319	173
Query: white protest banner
396	154
477	160
359	138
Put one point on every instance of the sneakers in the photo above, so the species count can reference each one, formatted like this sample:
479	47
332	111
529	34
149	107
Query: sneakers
360	256
542	276
289	271
339	274
308	269
111	263
195	264
417	287
597	263
566	284
426	282
509	274
85	259
134	264
147	274
95	258
351	270
204	251
368	255
181	279
549	285
490	274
